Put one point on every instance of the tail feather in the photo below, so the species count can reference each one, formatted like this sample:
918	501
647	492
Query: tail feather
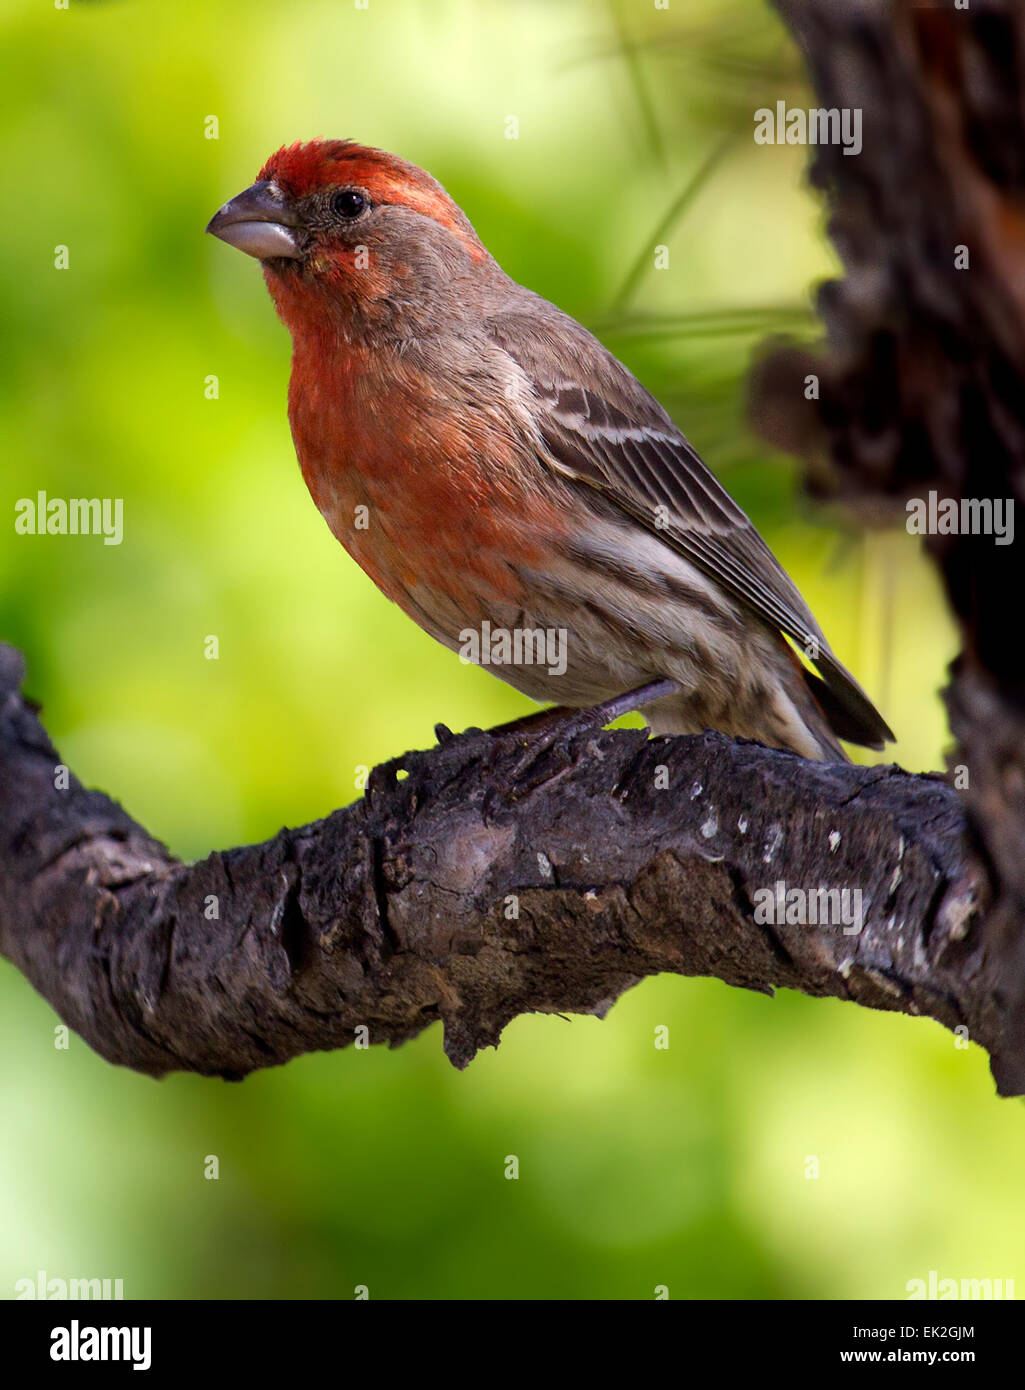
786	715
801	711
851	714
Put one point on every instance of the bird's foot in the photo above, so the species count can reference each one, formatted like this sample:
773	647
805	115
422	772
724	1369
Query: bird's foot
545	738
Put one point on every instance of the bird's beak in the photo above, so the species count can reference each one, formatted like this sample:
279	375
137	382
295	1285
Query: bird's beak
259	222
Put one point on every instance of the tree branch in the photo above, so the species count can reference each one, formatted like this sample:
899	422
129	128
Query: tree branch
473	890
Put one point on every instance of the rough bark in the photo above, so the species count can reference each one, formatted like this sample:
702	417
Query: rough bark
621	857
922	377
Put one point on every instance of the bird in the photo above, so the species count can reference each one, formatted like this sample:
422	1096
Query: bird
493	468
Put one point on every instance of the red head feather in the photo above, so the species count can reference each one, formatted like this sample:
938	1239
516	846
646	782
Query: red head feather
306	166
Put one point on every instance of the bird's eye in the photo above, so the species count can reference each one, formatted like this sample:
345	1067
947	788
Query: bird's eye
350	203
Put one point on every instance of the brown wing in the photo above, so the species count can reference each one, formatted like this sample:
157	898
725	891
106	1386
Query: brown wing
599	426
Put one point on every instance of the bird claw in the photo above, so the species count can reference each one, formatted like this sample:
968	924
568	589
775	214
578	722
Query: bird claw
546	739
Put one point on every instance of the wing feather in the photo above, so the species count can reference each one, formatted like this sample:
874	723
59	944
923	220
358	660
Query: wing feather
598	426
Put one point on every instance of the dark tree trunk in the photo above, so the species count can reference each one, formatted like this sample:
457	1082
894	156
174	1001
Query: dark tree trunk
923	375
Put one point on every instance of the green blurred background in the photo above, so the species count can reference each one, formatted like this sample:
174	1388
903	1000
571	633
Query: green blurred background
639	1167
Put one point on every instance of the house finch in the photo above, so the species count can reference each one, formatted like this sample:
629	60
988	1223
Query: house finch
494	469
